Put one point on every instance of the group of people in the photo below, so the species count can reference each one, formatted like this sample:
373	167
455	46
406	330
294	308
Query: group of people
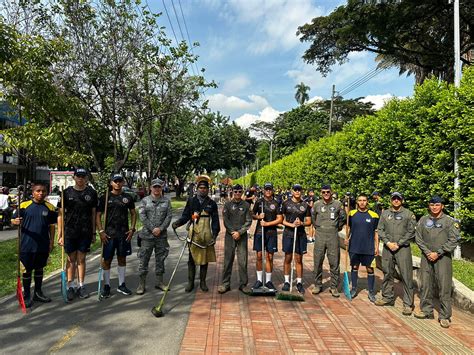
80	212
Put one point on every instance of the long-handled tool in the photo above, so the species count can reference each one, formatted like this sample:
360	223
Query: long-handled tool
345	283
19	288
157	310
63	264
289	295
101	270
264	290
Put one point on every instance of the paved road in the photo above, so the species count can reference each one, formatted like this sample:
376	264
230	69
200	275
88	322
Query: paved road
8	234
120	324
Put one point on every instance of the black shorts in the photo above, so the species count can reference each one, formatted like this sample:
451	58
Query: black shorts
300	247
77	244
357	259
33	261
123	248
271	243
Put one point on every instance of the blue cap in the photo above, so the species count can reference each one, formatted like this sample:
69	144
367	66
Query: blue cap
436	199
116	177
297	187
397	194
80	172
326	187
375	193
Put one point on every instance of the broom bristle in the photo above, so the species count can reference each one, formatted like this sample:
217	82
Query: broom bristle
290	296
345	286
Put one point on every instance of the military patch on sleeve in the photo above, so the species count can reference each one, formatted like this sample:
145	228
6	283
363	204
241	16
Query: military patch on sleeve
456	225
413	217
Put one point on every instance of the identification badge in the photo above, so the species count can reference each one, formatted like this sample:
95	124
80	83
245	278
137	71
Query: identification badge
333	215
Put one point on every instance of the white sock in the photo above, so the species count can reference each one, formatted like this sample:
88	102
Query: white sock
107	277
259	275
121	274
70	284
298	280
81	283
268	276
287	278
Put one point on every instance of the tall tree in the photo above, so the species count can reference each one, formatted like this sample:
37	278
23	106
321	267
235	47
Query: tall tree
414	35
301	95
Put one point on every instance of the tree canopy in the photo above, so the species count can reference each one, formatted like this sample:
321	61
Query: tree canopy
415	36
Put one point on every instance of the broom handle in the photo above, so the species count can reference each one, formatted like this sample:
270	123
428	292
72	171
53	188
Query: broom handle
347	232
263	246
18	244
293	258
105	223
62	228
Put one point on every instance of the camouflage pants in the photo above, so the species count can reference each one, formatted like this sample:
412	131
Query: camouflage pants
161	247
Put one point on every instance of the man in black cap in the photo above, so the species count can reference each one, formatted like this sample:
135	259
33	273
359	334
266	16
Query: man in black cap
297	215
155	214
116	235
267	212
80	202
396	230
202	214
437	235
328	218
377	204
237	220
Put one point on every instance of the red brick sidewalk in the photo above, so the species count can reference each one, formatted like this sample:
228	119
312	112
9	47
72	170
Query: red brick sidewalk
236	323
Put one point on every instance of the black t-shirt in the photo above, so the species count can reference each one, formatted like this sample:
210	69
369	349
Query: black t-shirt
78	207
271	208
118	206
292	210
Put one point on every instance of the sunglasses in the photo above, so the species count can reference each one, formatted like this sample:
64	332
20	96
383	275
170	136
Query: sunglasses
297	190
268	189
396	198
325	192
156	187
237	191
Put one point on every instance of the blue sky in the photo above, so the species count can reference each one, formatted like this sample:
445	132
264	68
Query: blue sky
250	49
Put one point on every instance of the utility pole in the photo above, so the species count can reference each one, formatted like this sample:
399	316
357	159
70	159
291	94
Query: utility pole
332	107
457	82
271	151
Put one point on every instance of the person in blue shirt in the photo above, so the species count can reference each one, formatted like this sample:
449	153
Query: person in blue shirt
363	243
37	218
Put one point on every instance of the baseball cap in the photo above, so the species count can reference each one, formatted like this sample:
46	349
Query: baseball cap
397	194
436	199
156	182
116	177
80	172
268	185
297	187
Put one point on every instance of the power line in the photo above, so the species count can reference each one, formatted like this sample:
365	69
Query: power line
169	20
187	33
360	81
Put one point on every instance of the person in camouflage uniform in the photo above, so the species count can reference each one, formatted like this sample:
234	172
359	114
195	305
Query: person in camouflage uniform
155	214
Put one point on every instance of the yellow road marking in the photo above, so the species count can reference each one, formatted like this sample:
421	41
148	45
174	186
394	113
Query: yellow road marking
65	339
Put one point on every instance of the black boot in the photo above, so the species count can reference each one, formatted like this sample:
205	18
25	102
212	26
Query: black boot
202	277
191	275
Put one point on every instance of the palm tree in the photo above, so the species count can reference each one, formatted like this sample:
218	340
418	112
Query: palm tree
301	95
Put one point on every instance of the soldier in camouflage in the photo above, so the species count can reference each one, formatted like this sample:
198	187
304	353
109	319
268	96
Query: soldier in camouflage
155	214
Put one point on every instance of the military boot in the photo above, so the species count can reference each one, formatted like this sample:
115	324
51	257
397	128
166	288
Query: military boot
159	283
141	285
202	277
191	276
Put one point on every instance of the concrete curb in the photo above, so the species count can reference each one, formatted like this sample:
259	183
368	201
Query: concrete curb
463	297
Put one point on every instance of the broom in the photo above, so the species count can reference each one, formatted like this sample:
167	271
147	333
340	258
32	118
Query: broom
19	287
101	270
289	295
345	283
63	265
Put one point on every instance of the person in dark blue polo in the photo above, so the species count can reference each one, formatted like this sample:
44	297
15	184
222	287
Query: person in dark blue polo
38	218
363	243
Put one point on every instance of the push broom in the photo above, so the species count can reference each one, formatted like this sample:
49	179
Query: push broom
19	288
63	265
345	282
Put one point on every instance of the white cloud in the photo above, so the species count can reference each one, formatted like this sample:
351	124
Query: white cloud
229	105
235	84
379	100
268	114
315	98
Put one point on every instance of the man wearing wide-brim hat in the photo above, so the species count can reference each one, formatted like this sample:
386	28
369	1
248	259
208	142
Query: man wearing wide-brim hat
201	212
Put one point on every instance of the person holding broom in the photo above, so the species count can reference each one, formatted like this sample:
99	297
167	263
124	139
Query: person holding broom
297	215
363	243
80	202
37	218
267	212
117	236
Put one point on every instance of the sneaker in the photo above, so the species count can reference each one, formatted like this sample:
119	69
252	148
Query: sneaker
105	292
270	286
384	302
422	315
40	297
257	284
286	287
371	297
300	288
82	292
223	289
124	290
70	294
316	290
334	292
445	323
407	311
353	293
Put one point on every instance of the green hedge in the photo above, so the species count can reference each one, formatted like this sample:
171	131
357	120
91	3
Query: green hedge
407	146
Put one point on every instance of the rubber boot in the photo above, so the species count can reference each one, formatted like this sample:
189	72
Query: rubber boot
141	285
159	282
191	276
202	277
